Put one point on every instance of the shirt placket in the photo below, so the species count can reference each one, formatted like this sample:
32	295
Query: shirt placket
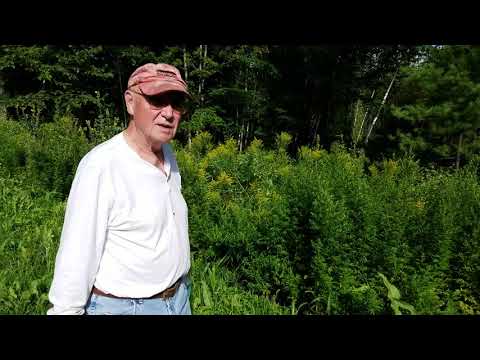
170	203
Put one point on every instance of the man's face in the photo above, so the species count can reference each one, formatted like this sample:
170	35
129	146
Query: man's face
156	116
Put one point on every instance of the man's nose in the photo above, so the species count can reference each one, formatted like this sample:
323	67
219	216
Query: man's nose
167	112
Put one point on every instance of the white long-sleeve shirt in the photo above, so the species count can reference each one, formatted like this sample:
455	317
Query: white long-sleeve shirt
125	228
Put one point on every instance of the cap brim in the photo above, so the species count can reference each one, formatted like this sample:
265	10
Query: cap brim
158	87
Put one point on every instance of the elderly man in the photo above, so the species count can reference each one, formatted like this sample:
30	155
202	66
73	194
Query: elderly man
124	247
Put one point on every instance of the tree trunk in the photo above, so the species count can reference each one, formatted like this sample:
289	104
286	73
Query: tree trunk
355	115
240	138
3	108
200	67
246	112
185	71
203	77
364	118
355	123
315	124
185	64
460	139
120	82
245	139
240	133
381	107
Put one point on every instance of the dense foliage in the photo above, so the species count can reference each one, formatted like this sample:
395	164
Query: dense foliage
319	232
320	179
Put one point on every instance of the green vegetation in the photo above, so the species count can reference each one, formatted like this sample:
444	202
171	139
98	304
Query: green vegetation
31	223
270	233
320	180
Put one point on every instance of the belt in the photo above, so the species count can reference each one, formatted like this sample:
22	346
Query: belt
165	294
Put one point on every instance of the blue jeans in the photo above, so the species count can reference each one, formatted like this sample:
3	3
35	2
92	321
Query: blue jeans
179	304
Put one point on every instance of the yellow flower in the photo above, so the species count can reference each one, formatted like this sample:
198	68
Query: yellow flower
307	153
284	171
224	179
420	204
391	167
213	196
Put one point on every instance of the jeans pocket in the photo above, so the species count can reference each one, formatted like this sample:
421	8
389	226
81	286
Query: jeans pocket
111	306
188	284
91	306
183	300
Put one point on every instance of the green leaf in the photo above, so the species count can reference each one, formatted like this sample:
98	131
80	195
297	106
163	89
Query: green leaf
393	293
395	308
406	306
206	294
361	289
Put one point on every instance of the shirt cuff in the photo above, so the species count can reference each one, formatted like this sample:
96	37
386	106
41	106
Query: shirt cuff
65	311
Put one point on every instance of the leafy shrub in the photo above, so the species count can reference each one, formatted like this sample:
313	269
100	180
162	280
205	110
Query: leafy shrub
31	223
316	231
55	154
15	140
300	235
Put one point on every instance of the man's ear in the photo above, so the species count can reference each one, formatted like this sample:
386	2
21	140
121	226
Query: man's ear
129	102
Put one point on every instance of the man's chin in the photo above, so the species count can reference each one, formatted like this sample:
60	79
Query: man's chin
160	139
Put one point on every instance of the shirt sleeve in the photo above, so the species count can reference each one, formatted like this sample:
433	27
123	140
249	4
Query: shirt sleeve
82	240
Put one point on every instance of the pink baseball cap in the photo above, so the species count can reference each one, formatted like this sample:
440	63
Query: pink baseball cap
153	79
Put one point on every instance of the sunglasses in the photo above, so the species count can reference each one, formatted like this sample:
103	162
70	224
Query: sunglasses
178	101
